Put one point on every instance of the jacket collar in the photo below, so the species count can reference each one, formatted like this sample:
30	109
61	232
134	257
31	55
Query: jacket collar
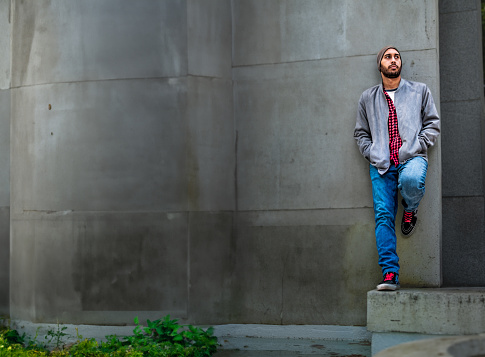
401	84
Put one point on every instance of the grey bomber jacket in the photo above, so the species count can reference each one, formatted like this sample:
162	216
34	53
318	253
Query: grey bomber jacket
417	117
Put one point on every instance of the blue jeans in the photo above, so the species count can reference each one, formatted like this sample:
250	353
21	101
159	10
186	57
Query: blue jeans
409	178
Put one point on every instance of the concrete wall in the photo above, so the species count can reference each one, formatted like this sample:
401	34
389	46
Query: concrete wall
197	158
462	123
122	159
305	217
4	154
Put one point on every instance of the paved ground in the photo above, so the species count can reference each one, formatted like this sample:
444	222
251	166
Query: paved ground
247	340
261	347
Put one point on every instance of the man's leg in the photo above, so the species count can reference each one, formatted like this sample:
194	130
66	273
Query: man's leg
384	193
412	177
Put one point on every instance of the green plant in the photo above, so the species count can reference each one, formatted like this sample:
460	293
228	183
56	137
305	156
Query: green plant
32	343
167	331
56	336
163	337
12	337
11	345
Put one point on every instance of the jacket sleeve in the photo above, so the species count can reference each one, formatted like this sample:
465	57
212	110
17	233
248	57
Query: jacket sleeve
431	121
362	132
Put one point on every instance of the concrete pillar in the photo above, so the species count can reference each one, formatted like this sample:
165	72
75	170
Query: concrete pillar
122	157
305	217
463	149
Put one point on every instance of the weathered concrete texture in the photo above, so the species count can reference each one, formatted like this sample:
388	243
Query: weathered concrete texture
150	177
4	260
460	79
286	151
97	143
287	154
209	38
289	158
451	311
326	332
102	262
123	161
57	41
447	6
284	273
5	30
463	251
263	347
5	148
292	340
108	137
210	141
4	199
110	267
462	138
284	31
211	247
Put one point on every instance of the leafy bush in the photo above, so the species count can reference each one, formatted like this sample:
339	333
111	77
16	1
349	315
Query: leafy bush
163	337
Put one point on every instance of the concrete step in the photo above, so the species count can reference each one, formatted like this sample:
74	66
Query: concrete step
411	314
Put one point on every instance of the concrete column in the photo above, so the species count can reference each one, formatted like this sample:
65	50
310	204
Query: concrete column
122	153
305	217
462	121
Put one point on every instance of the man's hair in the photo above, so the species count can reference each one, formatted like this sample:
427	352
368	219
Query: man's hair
381	54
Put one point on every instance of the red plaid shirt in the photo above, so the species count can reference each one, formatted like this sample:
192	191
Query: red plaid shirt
395	141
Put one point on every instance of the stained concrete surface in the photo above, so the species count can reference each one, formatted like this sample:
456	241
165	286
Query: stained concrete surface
286	160
423	314
260	347
226	115
292	340
453	311
461	88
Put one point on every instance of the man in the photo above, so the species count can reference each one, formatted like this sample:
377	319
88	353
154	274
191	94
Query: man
397	122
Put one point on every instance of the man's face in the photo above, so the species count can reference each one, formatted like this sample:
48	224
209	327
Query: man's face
391	64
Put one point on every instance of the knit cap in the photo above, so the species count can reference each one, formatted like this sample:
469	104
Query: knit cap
381	54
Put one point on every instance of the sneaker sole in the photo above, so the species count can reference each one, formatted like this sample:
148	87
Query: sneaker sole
384	287
408	234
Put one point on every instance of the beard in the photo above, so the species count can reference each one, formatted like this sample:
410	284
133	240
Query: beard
391	74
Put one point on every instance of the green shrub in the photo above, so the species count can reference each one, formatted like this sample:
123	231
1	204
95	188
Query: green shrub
163	337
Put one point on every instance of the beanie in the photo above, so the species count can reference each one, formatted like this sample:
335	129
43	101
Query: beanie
381	54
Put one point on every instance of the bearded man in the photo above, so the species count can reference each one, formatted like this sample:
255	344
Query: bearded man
397	122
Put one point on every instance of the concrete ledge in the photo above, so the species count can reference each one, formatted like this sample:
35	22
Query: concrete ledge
41	330
445	311
319	332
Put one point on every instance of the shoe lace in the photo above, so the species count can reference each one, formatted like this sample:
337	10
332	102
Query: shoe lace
408	217
389	276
